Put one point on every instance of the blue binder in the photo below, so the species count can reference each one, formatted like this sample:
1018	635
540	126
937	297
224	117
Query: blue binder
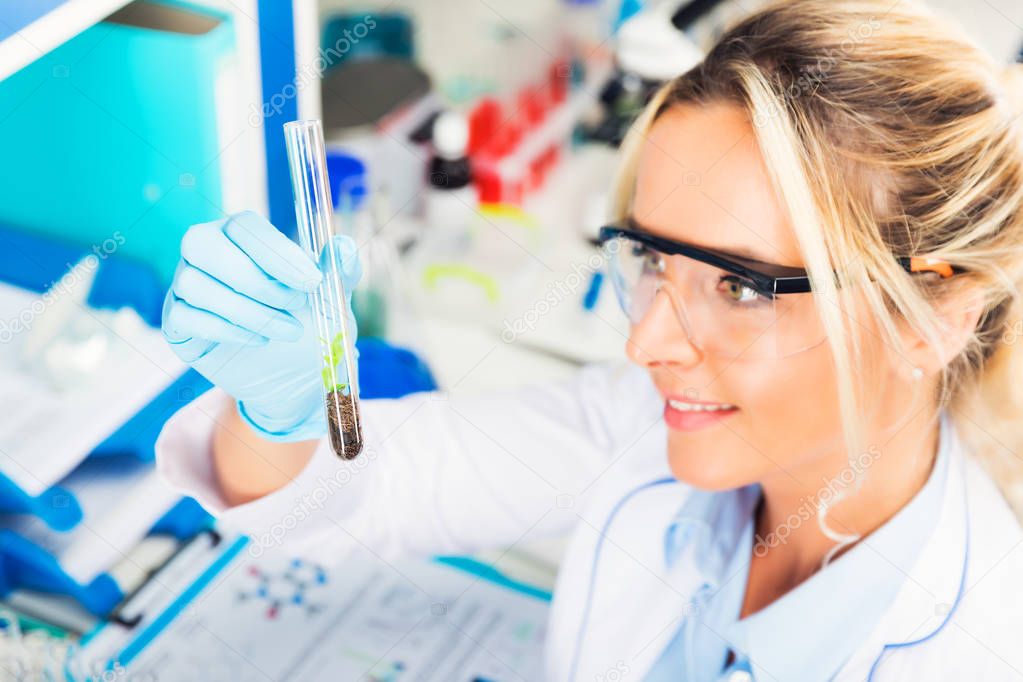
26	566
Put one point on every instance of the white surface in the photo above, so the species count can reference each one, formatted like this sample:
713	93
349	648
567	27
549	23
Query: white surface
51	30
46	433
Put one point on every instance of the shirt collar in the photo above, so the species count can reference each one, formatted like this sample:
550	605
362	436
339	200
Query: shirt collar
708	528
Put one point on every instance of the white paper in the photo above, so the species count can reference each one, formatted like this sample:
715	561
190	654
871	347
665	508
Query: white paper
364	620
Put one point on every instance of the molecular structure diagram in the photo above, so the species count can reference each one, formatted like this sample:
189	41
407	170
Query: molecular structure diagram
287	588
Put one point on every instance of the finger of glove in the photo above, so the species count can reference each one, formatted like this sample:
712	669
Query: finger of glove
275	254
193	350
209	249
183	322
345	254
201	291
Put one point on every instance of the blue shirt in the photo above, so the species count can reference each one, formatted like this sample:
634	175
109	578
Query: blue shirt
809	632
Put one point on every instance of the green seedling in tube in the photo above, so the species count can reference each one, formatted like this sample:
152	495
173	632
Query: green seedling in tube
314	212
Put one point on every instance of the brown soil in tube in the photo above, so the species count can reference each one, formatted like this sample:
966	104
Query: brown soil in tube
344	425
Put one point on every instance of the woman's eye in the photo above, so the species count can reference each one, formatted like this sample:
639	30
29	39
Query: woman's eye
652	260
742	291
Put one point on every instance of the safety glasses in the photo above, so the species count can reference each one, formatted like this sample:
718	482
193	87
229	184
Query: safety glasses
728	306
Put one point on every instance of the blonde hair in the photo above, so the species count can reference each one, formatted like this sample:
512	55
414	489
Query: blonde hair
886	133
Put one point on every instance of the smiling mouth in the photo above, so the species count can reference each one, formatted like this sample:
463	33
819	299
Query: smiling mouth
682	415
683	406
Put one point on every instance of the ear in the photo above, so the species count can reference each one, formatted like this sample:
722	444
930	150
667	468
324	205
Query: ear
959	312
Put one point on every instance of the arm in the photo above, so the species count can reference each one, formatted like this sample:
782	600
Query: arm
248	466
440	474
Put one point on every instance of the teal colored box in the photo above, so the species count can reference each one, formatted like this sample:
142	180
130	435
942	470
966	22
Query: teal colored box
110	141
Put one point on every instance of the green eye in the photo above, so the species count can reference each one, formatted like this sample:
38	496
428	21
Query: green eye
742	291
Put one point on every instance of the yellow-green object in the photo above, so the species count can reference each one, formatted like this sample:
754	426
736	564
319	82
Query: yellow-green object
434	273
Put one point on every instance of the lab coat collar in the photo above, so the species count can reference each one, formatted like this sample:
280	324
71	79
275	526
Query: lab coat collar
639	604
934	586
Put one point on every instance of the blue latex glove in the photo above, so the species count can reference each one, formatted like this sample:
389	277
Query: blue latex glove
238	311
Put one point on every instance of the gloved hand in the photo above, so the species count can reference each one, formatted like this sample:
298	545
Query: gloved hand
238	311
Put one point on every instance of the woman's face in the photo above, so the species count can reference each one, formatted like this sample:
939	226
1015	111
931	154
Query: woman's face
702	180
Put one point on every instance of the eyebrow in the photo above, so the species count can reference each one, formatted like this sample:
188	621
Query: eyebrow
738	253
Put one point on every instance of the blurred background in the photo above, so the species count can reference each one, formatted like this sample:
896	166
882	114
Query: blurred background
471	145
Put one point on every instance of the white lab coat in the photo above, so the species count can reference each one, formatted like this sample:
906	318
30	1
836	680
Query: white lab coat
454	475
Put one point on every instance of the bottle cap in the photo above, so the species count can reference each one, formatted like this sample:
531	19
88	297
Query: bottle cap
450	135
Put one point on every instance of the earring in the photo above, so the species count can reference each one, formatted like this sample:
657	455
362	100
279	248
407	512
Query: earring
917	374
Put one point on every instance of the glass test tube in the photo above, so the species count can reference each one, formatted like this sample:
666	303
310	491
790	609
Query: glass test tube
314	211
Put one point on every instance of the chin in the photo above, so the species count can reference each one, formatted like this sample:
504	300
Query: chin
706	468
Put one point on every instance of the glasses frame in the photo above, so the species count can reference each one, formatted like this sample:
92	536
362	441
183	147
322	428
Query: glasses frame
768	278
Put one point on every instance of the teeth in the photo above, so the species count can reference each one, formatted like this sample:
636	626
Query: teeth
698	407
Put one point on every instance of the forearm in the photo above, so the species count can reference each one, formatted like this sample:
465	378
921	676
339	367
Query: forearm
248	466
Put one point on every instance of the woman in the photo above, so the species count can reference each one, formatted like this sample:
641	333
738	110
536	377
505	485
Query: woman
819	242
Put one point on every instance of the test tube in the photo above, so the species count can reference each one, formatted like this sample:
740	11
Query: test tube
314	211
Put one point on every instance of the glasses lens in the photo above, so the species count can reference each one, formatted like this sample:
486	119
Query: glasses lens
723	313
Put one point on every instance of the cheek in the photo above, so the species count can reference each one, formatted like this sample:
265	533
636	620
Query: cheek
789	414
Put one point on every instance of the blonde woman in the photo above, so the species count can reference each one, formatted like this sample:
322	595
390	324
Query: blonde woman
808	470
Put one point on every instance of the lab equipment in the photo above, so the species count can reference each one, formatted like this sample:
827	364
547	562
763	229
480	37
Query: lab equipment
33	654
330	302
390	142
450	203
375	295
652	47
390	34
127	162
515	145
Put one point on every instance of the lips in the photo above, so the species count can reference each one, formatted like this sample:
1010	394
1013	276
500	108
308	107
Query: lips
692	415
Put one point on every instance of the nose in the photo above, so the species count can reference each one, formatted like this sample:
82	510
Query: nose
660	337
